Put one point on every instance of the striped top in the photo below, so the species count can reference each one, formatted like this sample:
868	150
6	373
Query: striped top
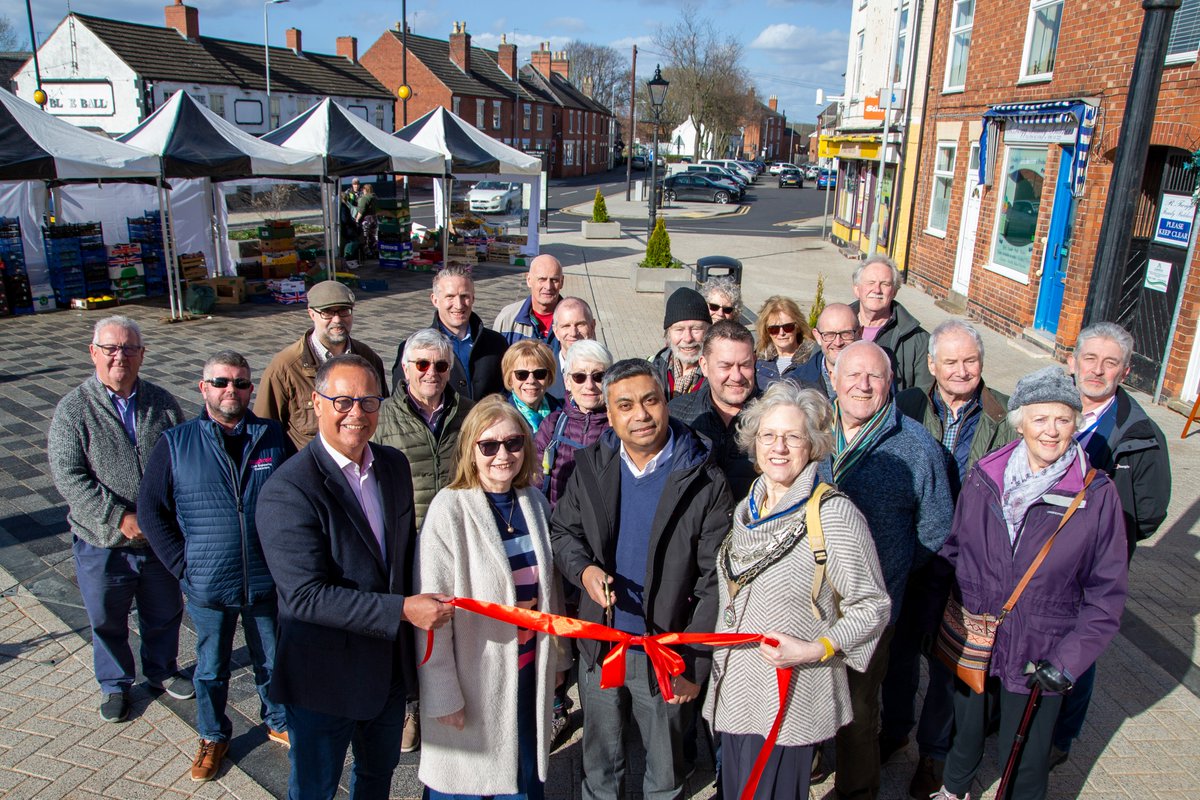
518	546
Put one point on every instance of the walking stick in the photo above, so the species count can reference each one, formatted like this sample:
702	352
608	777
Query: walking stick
1019	740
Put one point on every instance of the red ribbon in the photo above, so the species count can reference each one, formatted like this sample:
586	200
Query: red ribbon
666	662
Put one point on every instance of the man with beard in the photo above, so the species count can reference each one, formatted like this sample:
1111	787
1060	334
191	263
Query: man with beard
888	324
196	508
533	317
287	382
684	324
837	327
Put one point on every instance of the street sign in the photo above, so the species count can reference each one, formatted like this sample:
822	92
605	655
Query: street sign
1158	275
1175	214
873	106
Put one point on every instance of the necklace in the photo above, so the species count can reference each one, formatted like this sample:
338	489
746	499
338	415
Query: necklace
511	510
774	551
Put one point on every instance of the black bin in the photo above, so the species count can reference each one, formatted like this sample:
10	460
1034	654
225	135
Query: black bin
718	266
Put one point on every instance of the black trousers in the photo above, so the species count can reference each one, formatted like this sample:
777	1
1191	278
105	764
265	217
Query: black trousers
973	712
857	777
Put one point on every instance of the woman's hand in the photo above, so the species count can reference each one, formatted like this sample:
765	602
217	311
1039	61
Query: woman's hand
790	651
456	720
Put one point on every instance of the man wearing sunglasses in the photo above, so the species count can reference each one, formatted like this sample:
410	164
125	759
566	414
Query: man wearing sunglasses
837	327
101	435
196	507
533	317
287	383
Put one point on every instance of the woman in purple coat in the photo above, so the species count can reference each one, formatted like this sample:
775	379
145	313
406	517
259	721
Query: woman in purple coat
1011	503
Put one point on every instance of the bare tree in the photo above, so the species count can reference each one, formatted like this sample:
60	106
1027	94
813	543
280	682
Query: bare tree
603	70
10	39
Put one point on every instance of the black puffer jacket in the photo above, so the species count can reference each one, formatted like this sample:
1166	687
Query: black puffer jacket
697	412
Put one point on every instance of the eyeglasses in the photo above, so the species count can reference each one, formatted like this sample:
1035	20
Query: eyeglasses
127	350
538	374
787	327
581	377
722	309
489	447
330	313
343	403
221	383
828	337
423	365
792	440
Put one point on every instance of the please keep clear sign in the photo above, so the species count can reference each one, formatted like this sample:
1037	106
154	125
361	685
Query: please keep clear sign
1175	215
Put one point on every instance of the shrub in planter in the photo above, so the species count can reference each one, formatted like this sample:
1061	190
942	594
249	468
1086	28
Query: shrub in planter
658	248
599	208
818	303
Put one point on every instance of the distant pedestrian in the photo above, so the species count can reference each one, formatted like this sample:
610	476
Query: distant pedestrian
685	322
888	324
785	341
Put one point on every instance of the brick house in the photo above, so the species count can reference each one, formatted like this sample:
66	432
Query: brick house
764	134
1025	90
533	107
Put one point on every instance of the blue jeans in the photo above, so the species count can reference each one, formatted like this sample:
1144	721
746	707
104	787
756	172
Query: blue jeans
319	742
215	628
1074	710
110	580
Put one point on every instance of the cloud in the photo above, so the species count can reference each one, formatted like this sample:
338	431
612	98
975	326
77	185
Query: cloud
573	24
626	42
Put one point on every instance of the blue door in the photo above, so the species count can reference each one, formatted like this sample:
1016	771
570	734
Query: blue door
1058	244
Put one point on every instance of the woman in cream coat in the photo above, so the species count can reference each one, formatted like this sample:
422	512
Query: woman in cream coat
487	689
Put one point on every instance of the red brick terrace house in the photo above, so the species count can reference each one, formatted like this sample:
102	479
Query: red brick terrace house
1027	87
764	133
533	108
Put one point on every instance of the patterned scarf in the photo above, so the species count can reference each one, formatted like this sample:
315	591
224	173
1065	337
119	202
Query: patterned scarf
846	455
684	380
1023	487
533	416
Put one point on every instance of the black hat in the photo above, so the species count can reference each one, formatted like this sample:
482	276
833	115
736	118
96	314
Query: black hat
686	305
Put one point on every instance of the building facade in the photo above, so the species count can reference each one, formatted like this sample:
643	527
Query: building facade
765	133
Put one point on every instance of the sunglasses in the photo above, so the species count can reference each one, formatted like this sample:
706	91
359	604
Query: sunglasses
344	402
489	447
538	374
723	309
581	377
787	327
221	383
423	365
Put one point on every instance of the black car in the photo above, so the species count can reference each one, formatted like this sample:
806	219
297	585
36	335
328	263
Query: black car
694	186
791	177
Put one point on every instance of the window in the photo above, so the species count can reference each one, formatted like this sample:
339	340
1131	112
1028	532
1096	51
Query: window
943	186
1017	213
593	150
1185	33
1041	39
568	154
856	83
456	106
901	44
526	113
379	117
217	103
962	21
479	111
539	118
274	112
495	115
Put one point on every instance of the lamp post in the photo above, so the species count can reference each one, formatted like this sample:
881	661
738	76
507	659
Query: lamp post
658	95
267	53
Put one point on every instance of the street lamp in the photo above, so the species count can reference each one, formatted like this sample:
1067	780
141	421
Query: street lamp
658	95
267	51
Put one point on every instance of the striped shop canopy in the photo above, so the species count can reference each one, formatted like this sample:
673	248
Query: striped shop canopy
1052	112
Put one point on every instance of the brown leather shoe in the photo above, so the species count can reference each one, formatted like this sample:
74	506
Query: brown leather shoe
410	740
279	737
208	760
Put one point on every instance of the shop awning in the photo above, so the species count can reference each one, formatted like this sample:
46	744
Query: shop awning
1053	112
849	145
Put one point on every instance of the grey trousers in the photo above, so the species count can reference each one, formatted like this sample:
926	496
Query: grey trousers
605	715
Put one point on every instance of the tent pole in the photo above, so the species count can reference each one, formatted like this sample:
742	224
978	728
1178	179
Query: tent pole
176	314
330	228
215	269
446	223
173	264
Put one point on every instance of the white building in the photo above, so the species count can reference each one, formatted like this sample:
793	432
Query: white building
110	75
682	141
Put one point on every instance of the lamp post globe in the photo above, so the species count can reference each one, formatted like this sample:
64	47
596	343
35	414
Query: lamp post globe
39	97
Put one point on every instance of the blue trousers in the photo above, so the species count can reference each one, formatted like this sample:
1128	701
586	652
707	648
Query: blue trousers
110	580
319	743
215	629
1074	710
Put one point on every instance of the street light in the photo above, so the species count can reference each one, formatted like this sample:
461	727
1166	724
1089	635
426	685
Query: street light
658	95
267	51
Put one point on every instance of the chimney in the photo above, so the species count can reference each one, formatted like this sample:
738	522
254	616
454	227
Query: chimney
773	103
184	19
540	59
506	56
588	86
561	64
460	47
347	48
293	40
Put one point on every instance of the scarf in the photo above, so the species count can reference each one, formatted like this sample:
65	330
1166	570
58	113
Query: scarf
848	454
682	379
533	416
1023	487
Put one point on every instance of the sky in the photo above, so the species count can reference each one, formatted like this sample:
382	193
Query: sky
792	47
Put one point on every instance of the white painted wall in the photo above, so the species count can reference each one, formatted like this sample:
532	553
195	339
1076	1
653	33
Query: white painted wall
876	19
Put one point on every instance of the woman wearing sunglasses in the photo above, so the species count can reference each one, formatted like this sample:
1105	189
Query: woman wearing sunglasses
784	340
528	368
487	689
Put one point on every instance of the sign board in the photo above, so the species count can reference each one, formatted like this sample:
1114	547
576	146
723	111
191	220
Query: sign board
1175	215
1158	275
79	98
1016	131
874	106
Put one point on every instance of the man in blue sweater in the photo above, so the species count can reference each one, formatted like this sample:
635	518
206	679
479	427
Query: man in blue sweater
196	508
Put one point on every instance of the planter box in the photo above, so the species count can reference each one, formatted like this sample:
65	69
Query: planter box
601	230
646	279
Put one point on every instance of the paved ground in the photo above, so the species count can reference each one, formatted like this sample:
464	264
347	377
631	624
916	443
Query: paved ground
1142	737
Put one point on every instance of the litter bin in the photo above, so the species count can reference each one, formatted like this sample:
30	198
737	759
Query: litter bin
718	266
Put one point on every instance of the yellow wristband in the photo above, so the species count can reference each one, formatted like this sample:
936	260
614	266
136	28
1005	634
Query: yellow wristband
829	649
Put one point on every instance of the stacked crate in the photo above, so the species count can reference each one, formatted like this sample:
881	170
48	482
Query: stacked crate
395	233
277	239
193	266
126	271
15	297
146	230
77	261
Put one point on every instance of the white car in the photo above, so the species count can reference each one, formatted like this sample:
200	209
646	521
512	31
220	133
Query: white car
495	197
777	167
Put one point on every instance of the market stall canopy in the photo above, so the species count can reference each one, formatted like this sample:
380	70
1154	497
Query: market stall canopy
469	150
350	145
35	145
195	142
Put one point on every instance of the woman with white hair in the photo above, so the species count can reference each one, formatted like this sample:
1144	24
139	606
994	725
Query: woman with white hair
824	621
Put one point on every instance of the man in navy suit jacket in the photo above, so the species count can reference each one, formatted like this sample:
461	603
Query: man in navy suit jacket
337	528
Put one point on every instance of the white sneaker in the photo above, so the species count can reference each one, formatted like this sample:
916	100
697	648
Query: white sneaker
945	794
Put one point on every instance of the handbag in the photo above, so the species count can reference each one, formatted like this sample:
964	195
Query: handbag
965	639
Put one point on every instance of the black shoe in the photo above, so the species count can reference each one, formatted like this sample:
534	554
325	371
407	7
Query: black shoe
889	746
114	707
177	686
1058	756
927	779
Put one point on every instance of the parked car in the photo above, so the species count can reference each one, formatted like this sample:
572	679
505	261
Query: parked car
827	179
811	172
495	197
779	166
640	161
696	186
717	173
791	177
733	167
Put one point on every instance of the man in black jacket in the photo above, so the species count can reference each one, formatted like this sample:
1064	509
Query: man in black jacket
638	529
478	351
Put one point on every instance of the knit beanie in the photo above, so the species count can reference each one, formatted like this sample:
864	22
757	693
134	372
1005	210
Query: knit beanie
686	305
1047	385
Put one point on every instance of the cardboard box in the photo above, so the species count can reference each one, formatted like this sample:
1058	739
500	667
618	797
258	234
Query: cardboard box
276	259
277	245
136	270
93	303
278	271
230	291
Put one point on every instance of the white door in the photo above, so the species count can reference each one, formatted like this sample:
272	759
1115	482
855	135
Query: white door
970	224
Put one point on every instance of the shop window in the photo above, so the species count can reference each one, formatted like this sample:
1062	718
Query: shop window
1020	200
943	186
1185	33
847	184
962	22
1041	39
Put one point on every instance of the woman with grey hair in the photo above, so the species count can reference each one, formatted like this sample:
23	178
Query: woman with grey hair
1013	505
825	615
724	298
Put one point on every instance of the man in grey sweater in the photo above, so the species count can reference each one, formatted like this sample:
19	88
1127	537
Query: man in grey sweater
101	434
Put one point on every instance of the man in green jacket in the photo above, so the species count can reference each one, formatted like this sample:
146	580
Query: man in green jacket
887	323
